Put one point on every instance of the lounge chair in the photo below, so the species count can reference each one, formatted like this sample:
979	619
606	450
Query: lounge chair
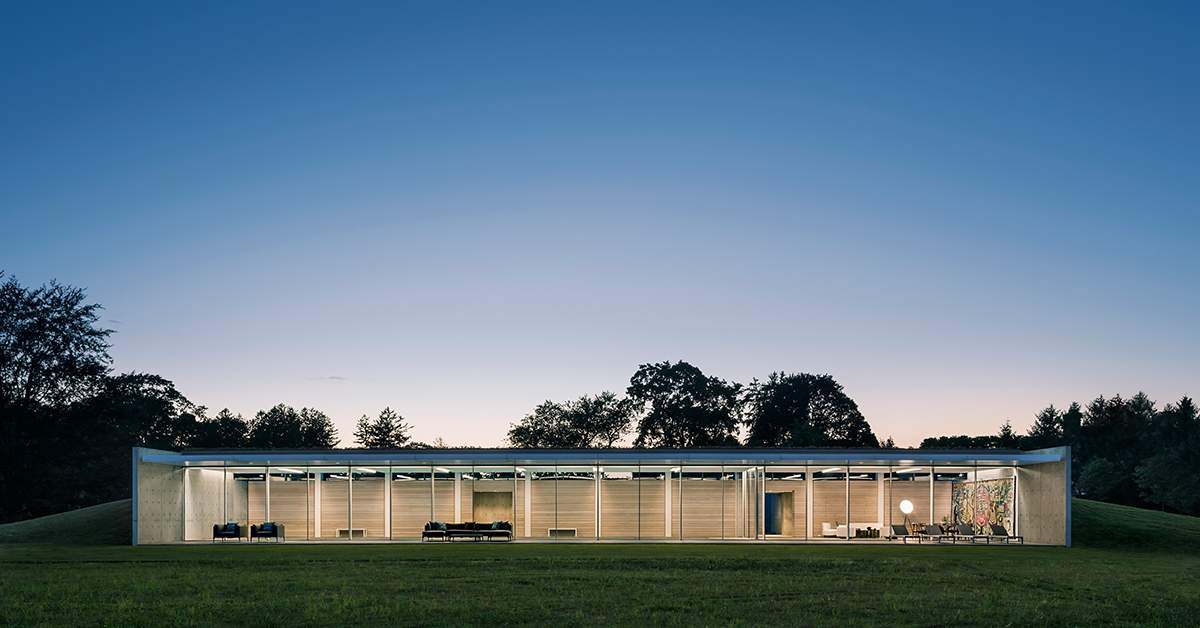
901	532
965	531
268	530
999	533
227	531
934	531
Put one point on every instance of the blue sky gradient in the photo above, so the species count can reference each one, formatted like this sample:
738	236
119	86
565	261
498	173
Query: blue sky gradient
962	213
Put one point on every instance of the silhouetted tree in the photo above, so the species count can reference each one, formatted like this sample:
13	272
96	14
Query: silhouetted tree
140	410
129	410
1112	431
1101	480
224	431
599	421
1047	429
549	427
1171	477
52	355
958	442
684	407
804	410
282	427
386	432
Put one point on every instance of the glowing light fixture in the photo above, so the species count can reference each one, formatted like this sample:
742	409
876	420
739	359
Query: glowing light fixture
289	470
830	469
364	470
906	507
909	470
441	469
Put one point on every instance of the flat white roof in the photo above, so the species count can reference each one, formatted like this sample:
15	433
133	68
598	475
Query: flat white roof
603	457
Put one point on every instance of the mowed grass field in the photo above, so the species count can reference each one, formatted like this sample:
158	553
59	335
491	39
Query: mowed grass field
1137	568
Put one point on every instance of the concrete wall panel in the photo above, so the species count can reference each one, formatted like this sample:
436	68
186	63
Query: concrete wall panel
158	500
1044	500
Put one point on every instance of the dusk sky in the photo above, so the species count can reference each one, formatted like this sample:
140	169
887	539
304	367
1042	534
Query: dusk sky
962	212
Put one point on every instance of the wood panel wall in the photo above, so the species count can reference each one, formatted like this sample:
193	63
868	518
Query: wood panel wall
864	502
334	511
619	506
829	504
654	514
918	493
410	508
704	507
289	506
368	507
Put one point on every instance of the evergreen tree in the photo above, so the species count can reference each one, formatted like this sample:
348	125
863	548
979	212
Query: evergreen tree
386	432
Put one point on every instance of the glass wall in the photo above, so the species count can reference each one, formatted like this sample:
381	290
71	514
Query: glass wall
785	502
689	501
830	501
619	502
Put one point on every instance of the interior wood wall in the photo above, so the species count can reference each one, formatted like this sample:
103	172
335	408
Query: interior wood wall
410	508
289	506
918	493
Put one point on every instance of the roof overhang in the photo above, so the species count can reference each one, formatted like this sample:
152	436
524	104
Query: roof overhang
603	457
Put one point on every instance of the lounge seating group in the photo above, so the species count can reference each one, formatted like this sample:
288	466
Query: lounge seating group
839	531
961	532
268	530
471	530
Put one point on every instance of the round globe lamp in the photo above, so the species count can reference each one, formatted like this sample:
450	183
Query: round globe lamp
906	507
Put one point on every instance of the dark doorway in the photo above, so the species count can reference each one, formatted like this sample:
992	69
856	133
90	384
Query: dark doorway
779	513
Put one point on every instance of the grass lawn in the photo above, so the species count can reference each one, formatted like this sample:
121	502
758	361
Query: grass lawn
1106	584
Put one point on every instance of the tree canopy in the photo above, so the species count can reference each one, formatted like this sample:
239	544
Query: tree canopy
282	427
588	422
803	410
684	407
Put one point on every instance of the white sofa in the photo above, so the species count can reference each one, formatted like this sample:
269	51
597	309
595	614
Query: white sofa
840	531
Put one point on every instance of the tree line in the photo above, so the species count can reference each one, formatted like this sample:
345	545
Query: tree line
1123	451
677	405
67	422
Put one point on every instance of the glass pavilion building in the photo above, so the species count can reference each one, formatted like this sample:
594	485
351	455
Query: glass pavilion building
621	494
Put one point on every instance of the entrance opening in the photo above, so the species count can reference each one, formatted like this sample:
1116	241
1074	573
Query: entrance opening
780	513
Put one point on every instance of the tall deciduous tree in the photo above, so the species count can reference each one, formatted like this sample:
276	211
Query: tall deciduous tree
389	431
803	410
52	354
599	421
684	407
51	351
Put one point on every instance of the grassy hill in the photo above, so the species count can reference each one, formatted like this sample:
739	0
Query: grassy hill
106	524
1109	526
1095	524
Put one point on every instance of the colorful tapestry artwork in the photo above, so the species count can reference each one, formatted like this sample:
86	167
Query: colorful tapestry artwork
983	503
